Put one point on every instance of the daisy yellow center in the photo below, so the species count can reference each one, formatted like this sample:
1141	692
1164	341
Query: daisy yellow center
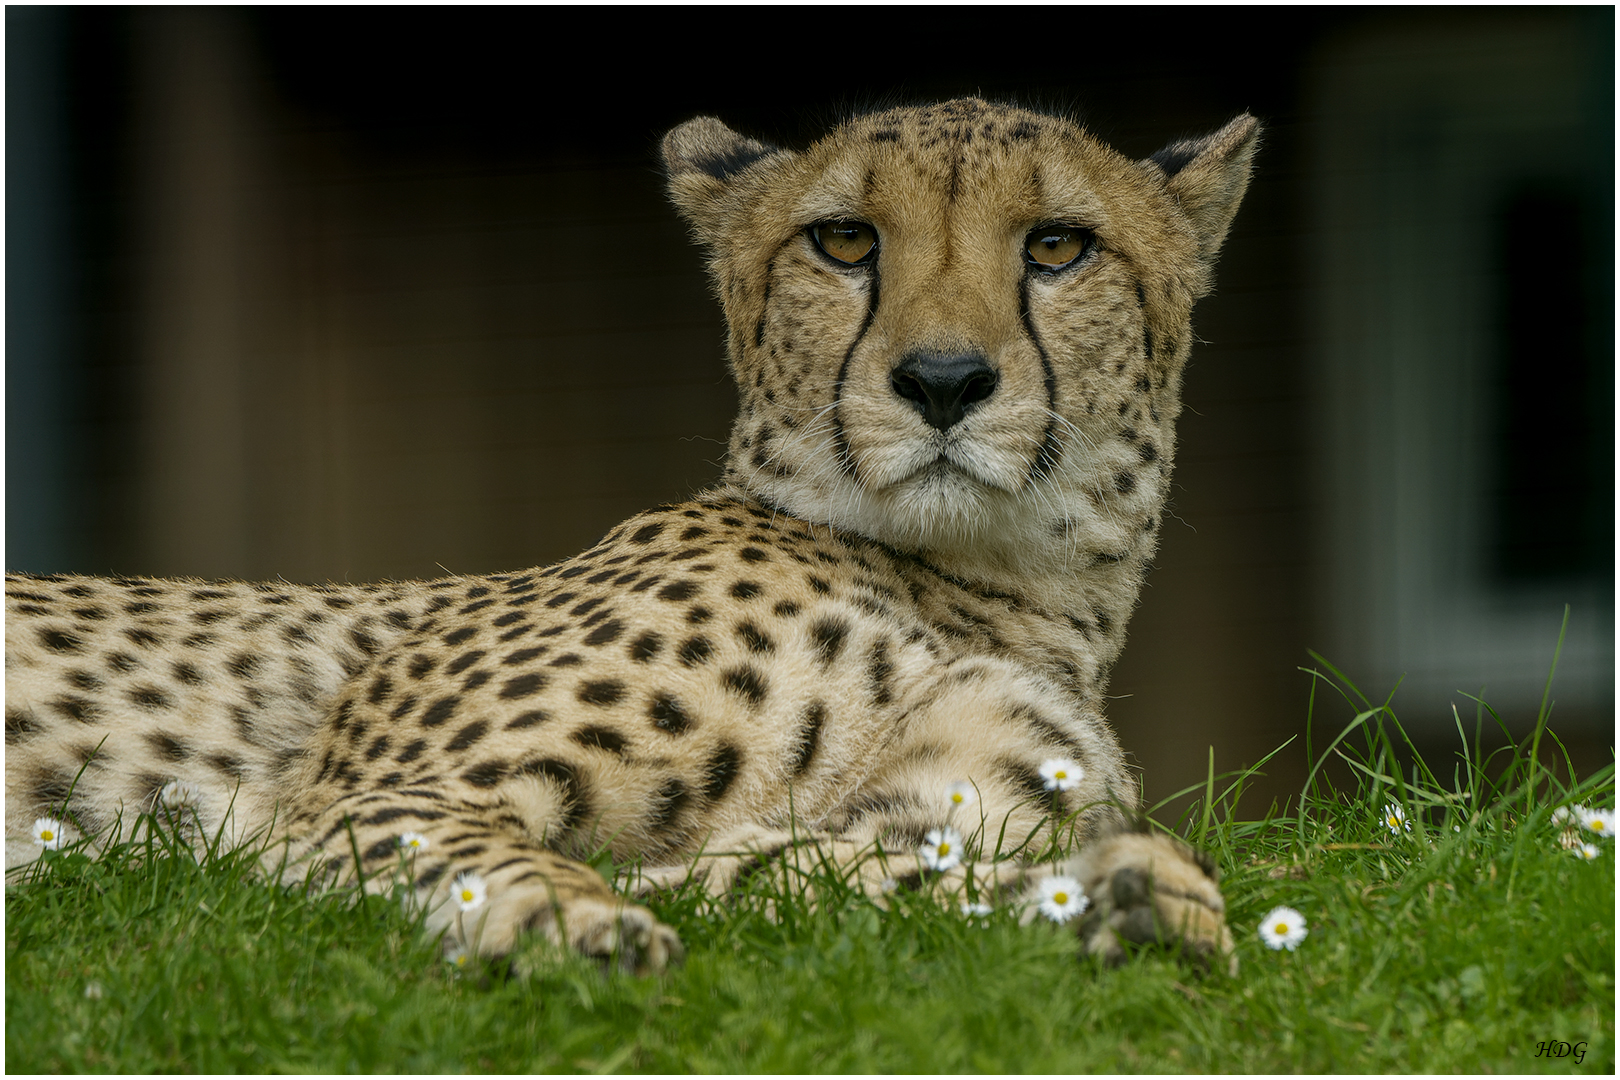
1060	897
1597	823
956	797
1061	774
466	895
46	834
945	849
1281	928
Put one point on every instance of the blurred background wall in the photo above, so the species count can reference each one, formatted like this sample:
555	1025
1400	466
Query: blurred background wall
339	294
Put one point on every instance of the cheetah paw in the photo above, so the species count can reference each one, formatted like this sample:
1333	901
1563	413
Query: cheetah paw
1152	889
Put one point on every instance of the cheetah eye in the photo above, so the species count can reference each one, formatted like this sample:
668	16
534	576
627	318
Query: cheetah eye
850	242
1052	247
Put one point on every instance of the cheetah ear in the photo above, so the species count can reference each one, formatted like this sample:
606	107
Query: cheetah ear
700	159
1208	177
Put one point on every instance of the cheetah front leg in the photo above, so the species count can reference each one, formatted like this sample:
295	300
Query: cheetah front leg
481	879
1018	761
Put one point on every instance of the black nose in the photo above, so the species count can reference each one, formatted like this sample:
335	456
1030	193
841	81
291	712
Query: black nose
942	387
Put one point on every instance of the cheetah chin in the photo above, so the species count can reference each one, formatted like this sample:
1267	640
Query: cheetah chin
958	332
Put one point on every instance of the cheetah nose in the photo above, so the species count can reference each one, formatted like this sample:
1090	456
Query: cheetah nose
942	387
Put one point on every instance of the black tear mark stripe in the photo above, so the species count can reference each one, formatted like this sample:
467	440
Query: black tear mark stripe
846	462
1046	459
809	738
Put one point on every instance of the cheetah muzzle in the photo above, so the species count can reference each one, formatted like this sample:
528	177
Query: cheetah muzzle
958	333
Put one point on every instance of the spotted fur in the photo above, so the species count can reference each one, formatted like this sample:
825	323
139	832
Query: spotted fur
882	596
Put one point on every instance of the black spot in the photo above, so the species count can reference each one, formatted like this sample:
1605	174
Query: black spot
755	639
523	685
668	716
601	738
187	673
84	680
380	690
576	571
699	615
77	708
19	722
809	737
753	554
586	605
567	660
168	748
140	607
645	647
440	711
528	719
150	697
401	710
468	735
721	771
243	665
829	636
679	590
820	585
474	680
560	599
378	748
139	635
647	533
1124	482
94	614
601	692
695	651
786	609
364	642
1143	383
456	637
671	799
1147	452
486	774
748	682
476	591
463	662
60	641
524	655
607	632
745	590
878	671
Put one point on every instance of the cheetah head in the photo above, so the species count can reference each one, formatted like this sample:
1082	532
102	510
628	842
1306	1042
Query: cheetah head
959	328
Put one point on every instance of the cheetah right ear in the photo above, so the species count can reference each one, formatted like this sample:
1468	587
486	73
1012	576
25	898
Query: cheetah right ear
700	159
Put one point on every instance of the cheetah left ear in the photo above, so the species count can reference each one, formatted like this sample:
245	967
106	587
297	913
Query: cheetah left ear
701	158
1208	177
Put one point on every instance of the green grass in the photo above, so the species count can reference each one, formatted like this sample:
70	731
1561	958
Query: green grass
1456	947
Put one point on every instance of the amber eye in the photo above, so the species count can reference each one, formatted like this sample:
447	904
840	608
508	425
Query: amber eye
1053	247
847	241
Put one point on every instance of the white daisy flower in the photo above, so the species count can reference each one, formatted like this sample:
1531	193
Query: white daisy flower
1599	821
457	958
469	890
942	848
1061	774
48	833
1062	898
1282	928
972	910
412	842
1395	818
1586	851
179	794
960	795
889	885
1566	814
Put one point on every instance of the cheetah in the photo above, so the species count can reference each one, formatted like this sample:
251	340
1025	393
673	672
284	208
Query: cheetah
958	332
